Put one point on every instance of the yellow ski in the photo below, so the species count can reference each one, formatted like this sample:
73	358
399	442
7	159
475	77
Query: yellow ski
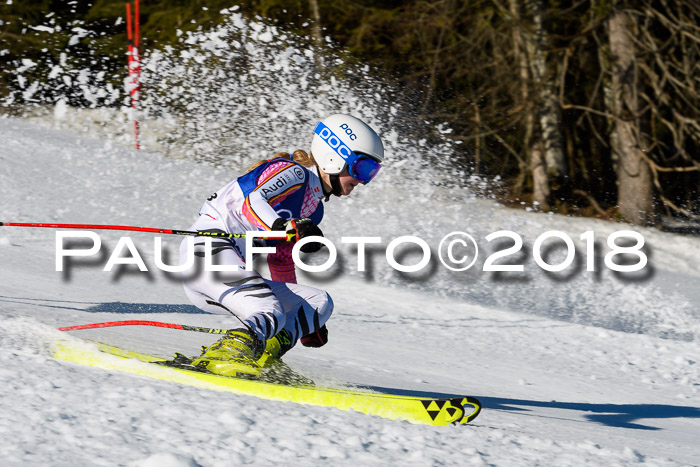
428	411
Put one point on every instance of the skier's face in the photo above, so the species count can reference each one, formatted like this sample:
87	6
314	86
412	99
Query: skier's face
347	182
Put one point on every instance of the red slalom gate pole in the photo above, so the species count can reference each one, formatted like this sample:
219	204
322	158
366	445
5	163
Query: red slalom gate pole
109	324
134	60
199	233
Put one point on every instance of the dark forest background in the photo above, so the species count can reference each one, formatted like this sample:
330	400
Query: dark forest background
581	107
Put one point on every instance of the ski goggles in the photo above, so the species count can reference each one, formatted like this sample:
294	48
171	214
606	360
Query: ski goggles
360	166
364	168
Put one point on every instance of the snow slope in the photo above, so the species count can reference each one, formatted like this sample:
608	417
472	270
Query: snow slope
580	369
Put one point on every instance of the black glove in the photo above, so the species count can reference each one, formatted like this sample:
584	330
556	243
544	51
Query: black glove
300	228
316	339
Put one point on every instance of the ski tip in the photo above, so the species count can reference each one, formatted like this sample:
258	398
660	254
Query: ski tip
475	404
456	411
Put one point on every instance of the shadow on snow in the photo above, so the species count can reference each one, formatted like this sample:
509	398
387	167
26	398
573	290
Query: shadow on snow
109	307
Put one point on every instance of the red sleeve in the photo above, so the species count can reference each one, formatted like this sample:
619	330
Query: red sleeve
281	264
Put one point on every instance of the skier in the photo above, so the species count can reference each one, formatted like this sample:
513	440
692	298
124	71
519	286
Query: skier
281	194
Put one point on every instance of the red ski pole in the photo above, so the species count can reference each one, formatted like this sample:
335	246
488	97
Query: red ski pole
133	229
109	324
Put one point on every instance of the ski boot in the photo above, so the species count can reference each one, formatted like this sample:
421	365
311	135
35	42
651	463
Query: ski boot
274	370
275	347
238	354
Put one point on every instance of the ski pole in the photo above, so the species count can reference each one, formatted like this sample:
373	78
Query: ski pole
201	233
109	324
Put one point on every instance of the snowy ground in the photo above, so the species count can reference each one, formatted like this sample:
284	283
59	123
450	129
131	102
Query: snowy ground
587	369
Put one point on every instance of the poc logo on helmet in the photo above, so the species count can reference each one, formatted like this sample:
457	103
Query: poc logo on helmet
348	131
333	141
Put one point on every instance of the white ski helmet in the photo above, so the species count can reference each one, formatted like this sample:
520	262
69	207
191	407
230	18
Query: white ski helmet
343	140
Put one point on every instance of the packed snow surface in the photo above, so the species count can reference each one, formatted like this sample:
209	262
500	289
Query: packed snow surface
576	368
